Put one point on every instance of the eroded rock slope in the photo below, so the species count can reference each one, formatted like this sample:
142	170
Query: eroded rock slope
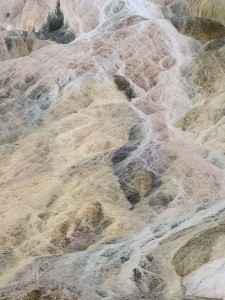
112	149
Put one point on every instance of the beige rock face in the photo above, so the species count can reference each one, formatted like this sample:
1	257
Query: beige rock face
112	151
209	9
29	15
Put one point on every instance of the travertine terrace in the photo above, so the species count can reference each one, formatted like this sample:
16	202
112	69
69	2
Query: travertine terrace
112	143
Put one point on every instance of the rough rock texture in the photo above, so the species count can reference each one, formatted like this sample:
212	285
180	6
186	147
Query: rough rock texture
199	28
209	9
112	150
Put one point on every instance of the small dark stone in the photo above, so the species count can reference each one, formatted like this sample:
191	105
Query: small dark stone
122	153
124	85
150	258
38	92
176	224
101	293
132	196
62	36
30	80
9	43
137	275
136	133
203	207
157	183
124	258
121	82
44	102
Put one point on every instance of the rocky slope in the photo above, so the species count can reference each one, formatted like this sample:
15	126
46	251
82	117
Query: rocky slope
112	149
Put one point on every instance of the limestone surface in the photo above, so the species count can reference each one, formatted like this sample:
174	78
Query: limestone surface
112	143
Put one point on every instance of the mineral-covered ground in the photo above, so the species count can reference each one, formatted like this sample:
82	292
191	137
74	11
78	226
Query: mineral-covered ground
112	144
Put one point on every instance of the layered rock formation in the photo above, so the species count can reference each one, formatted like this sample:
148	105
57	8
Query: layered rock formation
112	149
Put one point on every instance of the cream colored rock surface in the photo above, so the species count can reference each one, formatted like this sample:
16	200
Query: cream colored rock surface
112	152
